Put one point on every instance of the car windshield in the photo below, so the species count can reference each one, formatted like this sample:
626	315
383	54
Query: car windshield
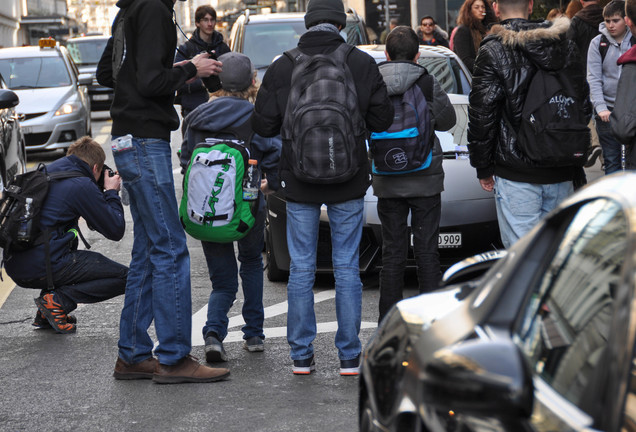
86	52
265	41
34	72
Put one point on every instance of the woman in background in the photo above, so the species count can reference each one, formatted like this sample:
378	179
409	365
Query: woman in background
472	24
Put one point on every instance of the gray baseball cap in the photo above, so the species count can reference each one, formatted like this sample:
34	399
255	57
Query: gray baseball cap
237	73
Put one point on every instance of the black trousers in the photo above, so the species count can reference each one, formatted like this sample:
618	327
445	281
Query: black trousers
425	217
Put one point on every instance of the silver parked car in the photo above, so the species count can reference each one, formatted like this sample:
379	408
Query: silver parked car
86	52
54	107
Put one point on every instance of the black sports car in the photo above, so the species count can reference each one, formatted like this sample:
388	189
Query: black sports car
543	341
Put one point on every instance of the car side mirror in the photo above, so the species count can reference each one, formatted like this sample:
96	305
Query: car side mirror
85	79
8	99
480	377
472	267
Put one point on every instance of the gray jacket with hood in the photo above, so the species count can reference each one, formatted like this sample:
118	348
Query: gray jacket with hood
399	76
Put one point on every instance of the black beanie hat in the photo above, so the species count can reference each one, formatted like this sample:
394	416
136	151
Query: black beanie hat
325	10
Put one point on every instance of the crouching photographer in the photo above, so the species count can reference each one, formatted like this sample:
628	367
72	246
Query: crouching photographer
68	276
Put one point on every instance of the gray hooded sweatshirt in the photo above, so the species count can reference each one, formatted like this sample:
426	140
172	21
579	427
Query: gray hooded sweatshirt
603	75
399	76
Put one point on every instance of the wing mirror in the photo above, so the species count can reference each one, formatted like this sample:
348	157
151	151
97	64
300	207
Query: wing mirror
472	267
8	99
480	377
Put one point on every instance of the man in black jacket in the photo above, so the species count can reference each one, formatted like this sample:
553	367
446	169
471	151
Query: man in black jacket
204	39
79	276
584	27
525	191
138	63
324	20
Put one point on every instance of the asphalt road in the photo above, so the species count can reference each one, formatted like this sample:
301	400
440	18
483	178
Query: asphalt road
64	382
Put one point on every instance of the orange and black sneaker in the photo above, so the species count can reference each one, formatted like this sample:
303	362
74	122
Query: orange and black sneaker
54	314
41	323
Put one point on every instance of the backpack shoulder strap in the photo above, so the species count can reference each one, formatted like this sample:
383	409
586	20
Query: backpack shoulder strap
59	175
427	87
293	55
603	46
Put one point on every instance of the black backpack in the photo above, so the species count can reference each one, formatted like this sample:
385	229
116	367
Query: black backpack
554	129
407	145
20	229
603	45
322	121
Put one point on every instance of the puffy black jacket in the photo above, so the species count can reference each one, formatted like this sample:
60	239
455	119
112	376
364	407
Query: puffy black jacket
584	28
375	107
507	61
196	93
67	201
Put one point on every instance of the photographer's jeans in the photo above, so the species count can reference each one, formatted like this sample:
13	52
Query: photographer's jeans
158	284
345	221
224	273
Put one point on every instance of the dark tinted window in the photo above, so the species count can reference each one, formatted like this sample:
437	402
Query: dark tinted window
448	72
565	327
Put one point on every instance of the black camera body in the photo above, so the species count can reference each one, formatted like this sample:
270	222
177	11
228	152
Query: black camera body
106	170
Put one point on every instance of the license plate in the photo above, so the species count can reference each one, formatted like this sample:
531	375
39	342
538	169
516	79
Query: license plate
100	97
26	129
447	240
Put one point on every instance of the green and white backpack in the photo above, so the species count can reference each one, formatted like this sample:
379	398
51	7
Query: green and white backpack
212	207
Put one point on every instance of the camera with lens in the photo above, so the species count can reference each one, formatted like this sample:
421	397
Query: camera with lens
106	170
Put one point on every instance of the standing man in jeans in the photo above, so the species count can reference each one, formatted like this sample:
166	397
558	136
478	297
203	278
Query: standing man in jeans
508	58
138	64
324	20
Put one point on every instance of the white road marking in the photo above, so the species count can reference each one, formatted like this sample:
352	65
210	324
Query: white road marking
199	318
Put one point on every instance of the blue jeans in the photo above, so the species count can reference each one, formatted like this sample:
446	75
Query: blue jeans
611	147
158	286
89	277
520	206
425	218
345	220
223	274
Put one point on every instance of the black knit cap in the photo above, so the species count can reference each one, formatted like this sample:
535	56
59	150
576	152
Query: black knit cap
325	10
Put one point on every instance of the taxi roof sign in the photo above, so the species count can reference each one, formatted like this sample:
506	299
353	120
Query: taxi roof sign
47	43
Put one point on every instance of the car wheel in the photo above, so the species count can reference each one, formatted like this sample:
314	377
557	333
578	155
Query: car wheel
274	274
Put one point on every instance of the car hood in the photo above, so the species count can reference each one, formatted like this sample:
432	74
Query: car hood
42	100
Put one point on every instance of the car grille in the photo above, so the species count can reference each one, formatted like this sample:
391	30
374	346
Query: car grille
30	116
36	139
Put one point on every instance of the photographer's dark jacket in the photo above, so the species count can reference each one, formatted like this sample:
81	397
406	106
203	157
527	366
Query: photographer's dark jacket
196	93
67	201
144	93
399	77
375	107
507	61
219	114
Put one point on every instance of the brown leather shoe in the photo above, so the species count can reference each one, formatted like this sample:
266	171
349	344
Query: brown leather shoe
142	370
188	370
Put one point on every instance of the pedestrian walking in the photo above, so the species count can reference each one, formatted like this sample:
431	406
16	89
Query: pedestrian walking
414	190
472	23
509	58
138	63
585	27
321	164
603	74
428	34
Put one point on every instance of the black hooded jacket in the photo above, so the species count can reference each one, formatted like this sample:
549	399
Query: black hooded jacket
196	93
584	28
507	61
144	93
375	107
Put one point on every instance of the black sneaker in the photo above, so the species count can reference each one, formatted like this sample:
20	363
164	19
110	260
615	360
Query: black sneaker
350	367
214	352
304	367
254	344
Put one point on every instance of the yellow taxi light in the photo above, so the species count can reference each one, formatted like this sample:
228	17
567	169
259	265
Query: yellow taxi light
47	43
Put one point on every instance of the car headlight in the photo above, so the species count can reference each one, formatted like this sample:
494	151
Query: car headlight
68	108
